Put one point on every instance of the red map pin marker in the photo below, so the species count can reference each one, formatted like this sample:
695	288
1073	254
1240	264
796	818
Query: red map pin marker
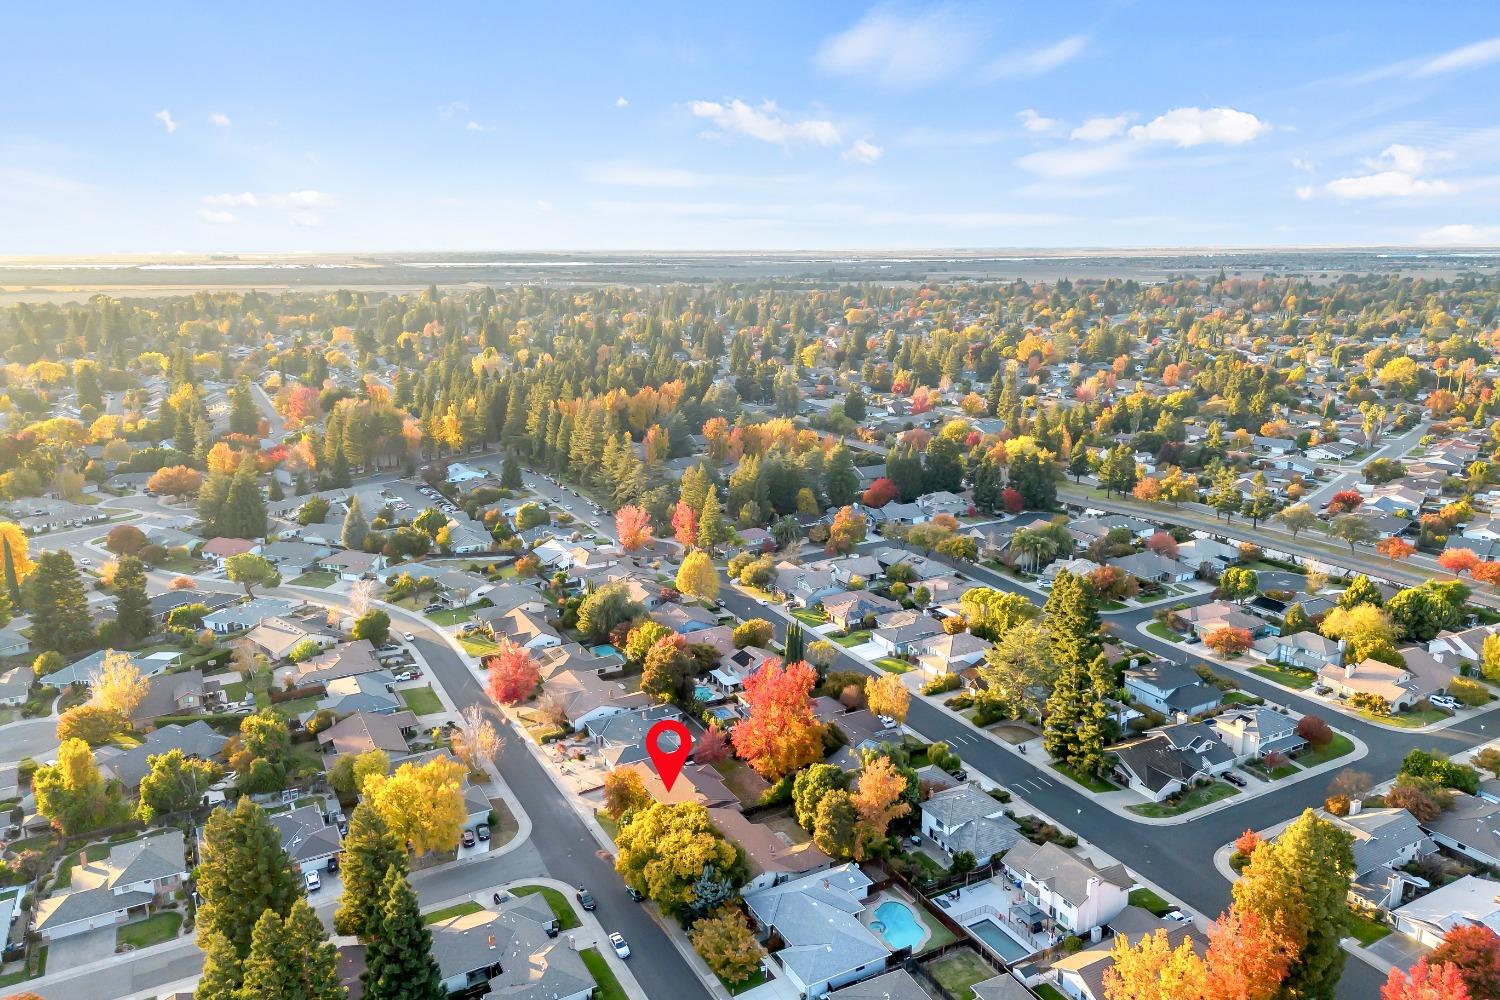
665	756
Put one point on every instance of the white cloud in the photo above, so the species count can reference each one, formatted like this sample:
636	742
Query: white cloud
1037	62
1465	57
1073	162
1032	121
1406	159
1461	234
215	217
635	175
1188	127
621	102
165	117
242	200
1100	128
902	50
1386	184
543	205
452	110
863	151
474	126
302	199
766	123
1303	164
220	119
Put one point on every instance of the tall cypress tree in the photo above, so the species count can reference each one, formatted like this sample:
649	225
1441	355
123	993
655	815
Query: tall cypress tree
292	958
12	582
242	873
398	954
355	529
244	508
1072	622
223	971
370	850
59	608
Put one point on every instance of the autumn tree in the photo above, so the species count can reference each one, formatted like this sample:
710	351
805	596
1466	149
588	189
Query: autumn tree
1426	981
1395	548
118	685
1228	640
727	944
475	742
698	576
781	733
879	798
513	674
175	481
624	793
847	531
886	695
422	804
665	851
1474	950
685	525
633	526
72	793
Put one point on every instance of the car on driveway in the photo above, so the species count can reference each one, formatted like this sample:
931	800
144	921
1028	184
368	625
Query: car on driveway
314	883
468	838
586	899
482	832
1445	701
621	948
1234	779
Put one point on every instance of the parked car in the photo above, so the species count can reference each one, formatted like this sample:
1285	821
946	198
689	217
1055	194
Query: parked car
586	899
1445	701
468	838
333	864
404	676
635	894
314	883
482	832
621	948
1234	779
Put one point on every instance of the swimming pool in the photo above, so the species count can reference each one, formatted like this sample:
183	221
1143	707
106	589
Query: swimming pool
897	925
703	692
1003	944
604	650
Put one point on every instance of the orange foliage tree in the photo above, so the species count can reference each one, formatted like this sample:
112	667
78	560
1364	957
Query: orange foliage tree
633	525
781	734
1458	561
513	674
1395	549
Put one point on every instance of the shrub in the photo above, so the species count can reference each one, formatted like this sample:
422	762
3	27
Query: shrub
1468	692
940	685
1315	731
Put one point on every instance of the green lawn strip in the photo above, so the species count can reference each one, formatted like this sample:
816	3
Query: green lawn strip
422	700
317	578
1408	720
567	919
1364	930
938	936
1286	678
891	665
234	691
1092	782
478	645
1161	631
1195	799
1147	899
607	824
157	929
1242	698
609	987
853	639
456	910
735	989
1048	992
1333	751
452	616
294	708
810	618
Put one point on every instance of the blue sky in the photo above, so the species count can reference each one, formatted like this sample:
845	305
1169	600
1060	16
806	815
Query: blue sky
748	126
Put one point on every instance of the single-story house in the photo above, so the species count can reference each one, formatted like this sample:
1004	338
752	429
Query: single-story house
1466	901
307	836
824	945
1170	688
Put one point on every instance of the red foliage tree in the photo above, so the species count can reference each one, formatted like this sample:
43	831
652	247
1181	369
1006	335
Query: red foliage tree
712	747
879	493
1247	842
1458	561
1315	731
781	734
1474	950
1395	549
1162	544
1345	502
513	674
633	525
1011	499
1487	572
685	525
1426	982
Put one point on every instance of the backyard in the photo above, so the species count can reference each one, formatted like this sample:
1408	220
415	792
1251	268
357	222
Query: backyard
959	970
1195	799
746	785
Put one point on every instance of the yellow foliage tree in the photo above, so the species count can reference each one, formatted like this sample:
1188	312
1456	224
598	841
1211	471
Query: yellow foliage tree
699	576
118	684
422	804
886	695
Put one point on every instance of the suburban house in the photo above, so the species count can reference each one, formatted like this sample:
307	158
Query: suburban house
898	632
1206	618
1081	975
1469	900
1396	685
1152	567
104	893
950	654
307	837
352	564
1206	556
1384	841
170	694
1467	645
526	629
621	737
364	731
816	918
13	643
82	671
239	617
1471	827
347	659
221	550
373	693
803	586
771	859
15	685
197	740
851	609
1074	893
1170	688
963	818
1252	733
278	636
1172	759
514	950
1307	650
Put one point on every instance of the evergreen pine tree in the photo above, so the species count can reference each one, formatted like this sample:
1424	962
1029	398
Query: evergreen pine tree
710	521
211	503
58	605
398	955
12	583
510	473
242	873
339	475
132	607
243	419
840	480
1065	709
244	507
1071	621
275	490
292	958
370	849
222	969
355	529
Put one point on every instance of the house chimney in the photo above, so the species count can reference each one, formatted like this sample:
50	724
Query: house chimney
1355	805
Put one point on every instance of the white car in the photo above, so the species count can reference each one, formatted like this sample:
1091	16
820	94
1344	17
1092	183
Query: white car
408	637
314	883
621	948
1444	701
594	523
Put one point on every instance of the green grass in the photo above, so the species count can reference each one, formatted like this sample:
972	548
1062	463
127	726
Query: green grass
735	989
1048	992
891	665
422	700
1089	781
1333	751
1146	899
567	918
317	578
478	645
1286	678
156	929
958	971
452	616
292	709
1365	930
609	987
1195	799
234	691
856	638
1242	698
609	825
938	936
1160	630
447	912
810	618
1408	720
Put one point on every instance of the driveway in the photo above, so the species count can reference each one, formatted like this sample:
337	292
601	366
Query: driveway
81	949
1401	950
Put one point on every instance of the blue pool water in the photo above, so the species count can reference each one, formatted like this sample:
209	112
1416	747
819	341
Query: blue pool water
703	693
604	650
897	925
1004	945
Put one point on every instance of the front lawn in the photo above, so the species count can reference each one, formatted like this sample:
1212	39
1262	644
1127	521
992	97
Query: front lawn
1146	899
317	578
855	638
1195	799
422	700
1160	630
1092	782
608	987
478	645
1333	751
891	665
153	930
1298	681
1364	930
452	616
1414	719
1242	698
447	912
567	918
810	618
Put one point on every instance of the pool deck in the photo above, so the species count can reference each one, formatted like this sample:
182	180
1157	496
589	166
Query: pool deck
868	917
990	899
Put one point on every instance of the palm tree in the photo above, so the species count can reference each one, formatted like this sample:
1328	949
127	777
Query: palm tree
1032	546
